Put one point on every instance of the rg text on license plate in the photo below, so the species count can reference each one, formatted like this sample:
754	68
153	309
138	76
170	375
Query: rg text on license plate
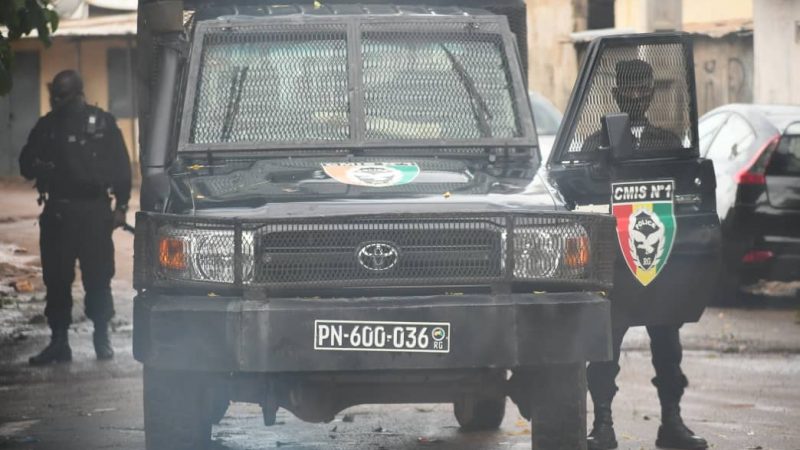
350	335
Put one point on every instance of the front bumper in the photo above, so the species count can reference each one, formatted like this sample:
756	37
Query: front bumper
487	331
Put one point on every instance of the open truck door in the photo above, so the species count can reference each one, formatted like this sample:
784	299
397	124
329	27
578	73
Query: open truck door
629	143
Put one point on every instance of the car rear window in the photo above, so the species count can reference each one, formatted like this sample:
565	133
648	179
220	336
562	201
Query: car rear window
786	159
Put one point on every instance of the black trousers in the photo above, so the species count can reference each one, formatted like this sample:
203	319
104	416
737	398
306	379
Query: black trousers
667	353
77	230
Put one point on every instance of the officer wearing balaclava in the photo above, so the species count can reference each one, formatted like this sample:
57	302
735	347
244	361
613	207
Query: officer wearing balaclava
78	158
633	94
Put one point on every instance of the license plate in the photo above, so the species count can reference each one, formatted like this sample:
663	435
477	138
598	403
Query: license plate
350	335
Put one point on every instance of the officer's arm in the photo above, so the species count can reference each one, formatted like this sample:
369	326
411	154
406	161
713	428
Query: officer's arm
32	162
121	166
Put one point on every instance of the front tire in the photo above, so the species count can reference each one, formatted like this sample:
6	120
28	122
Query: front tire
479	414
177	410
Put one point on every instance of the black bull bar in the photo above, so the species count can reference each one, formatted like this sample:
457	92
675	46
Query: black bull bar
498	331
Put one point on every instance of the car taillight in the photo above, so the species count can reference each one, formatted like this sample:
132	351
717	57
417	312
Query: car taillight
753	172
750	178
757	256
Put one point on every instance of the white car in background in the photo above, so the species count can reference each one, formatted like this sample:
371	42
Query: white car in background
547	118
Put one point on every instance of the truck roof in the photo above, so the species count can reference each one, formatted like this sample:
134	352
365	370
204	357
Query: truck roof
195	4
328	9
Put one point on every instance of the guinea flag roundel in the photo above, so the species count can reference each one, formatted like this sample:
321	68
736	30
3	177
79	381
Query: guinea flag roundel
646	225
372	174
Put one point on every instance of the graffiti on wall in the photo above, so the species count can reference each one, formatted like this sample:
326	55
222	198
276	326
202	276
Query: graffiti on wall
724	71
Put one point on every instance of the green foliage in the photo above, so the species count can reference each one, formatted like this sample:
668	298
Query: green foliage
19	18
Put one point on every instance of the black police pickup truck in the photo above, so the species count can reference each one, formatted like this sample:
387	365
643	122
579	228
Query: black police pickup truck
342	205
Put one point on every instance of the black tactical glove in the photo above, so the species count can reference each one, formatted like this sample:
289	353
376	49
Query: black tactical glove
119	216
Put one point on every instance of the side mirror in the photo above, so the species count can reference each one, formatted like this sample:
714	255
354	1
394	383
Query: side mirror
616	136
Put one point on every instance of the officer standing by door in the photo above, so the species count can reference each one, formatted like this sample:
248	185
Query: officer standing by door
633	94
77	156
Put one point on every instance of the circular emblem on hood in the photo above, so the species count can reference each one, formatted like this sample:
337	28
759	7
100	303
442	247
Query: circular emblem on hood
377	256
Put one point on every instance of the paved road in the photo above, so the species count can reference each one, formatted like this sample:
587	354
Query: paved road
744	366
737	400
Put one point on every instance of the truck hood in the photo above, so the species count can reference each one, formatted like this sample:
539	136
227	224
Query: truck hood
293	187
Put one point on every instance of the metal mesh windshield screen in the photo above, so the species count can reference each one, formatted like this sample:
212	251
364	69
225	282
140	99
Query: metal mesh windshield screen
427	84
404	80
272	86
651	83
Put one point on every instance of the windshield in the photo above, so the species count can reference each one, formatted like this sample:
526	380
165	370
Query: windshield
297	87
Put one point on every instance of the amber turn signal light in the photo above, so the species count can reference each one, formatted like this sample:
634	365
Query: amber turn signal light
171	253
577	254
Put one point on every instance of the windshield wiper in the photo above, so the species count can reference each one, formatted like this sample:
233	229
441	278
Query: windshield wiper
479	107
234	98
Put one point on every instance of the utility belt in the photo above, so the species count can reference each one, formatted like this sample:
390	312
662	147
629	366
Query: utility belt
51	200
85	193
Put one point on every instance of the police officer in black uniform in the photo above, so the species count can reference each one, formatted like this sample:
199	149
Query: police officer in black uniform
77	156
633	94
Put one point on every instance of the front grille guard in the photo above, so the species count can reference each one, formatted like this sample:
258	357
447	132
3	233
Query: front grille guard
474	249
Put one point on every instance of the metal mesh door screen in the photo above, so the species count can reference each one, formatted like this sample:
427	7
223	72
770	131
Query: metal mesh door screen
436	86
272	87
650	82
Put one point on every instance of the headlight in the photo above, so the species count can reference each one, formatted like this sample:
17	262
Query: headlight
550	251
203	255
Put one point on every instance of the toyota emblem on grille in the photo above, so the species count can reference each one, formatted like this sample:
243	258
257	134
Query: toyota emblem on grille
377	256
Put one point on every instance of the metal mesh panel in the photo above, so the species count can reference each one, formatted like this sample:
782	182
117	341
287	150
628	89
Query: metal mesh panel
650	82
268	86
363	252
563	235
373	251
209	253
426	84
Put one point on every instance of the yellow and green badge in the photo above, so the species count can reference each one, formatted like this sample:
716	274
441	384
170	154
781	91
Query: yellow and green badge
646	225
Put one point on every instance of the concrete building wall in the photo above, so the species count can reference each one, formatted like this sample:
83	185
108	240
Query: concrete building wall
777	51
724	56
88	57
553	62
636	14
648	15
710	11
723	70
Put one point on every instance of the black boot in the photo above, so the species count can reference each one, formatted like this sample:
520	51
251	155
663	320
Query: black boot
673	433
602	436
56	351
102	343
